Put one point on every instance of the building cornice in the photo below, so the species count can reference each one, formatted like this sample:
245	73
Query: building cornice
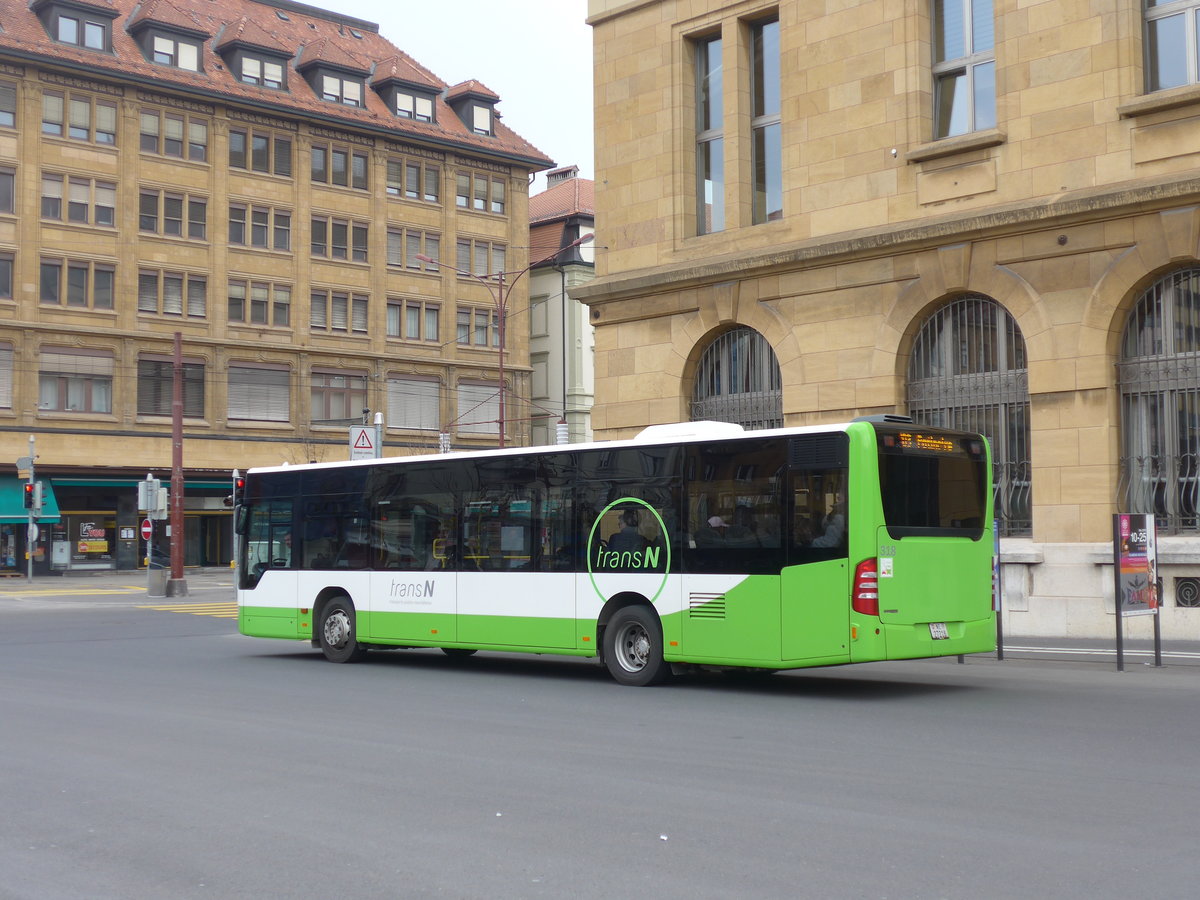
888	240
280	110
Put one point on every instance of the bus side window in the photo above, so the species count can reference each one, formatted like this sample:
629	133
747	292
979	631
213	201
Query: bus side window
819	515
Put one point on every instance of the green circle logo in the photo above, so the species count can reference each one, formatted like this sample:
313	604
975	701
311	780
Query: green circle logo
629	562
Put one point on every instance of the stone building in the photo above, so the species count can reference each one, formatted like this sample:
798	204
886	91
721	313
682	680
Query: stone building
984	214
561	340
274	182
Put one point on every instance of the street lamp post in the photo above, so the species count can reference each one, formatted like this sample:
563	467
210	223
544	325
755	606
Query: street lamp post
500	300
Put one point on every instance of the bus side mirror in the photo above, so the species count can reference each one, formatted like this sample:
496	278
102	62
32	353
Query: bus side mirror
240	518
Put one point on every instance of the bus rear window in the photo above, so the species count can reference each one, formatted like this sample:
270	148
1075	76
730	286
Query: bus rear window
932	482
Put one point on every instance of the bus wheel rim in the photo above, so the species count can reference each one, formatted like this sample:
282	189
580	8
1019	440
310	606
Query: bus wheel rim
337	629
633	647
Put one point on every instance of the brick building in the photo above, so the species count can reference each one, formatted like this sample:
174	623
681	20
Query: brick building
266	179
985	214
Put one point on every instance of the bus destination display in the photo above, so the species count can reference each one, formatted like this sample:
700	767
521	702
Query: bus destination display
930	443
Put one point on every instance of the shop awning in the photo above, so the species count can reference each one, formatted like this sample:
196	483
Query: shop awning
12	501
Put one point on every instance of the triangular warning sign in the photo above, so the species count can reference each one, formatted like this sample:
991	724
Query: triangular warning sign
363	441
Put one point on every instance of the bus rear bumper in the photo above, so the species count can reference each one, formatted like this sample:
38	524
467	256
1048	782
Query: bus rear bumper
917	640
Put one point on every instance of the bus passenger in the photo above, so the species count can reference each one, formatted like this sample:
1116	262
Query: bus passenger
833	527
628	538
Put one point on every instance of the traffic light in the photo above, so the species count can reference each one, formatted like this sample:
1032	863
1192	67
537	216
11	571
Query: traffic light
239	486
32	499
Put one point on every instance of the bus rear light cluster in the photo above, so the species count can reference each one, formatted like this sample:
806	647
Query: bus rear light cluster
865	597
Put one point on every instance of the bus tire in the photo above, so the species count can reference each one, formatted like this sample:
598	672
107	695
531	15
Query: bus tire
633	647
337	634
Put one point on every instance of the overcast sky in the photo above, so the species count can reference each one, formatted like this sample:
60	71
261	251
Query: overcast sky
536	54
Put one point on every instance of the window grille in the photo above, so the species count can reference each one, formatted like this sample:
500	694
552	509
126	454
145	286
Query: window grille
1159	380
968	370
738	381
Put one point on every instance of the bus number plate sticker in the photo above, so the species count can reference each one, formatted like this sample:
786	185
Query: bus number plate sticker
886	569
937	631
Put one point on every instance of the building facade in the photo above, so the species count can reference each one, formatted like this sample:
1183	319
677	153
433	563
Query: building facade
311	210
982	214
562	342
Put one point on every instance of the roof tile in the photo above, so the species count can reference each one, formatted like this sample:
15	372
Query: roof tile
24	39
572	197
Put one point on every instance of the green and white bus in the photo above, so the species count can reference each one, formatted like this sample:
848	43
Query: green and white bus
696	544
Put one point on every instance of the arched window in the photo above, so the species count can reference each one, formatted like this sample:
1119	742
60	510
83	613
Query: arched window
968	371
738	381
1159	379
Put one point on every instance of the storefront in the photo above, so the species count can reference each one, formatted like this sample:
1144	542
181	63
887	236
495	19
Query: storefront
100	526
14	526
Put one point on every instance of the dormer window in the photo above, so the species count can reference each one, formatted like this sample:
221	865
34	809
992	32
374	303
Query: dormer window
168	36
337	89
482	120
172	51
475	105
82	32
263	72
76	24
414	106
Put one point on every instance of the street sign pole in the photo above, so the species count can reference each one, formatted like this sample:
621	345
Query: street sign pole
31	532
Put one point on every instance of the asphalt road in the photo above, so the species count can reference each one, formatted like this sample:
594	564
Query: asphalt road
148	751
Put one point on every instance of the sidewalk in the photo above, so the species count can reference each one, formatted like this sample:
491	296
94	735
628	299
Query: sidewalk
76	581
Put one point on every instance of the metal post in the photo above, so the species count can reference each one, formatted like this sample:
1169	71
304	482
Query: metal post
500	317
31	531
1117	591
176	586
379	435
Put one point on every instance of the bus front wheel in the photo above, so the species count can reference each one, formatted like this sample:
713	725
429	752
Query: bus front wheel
633	647
337	634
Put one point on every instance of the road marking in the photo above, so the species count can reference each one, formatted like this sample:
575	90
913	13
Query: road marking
1102	651
216	610
58	592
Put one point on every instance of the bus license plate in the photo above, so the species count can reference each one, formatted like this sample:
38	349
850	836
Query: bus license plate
937	631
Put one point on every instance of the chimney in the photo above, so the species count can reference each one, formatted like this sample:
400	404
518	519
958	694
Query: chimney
558	176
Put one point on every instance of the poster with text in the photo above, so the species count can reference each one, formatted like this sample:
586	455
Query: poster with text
1137	579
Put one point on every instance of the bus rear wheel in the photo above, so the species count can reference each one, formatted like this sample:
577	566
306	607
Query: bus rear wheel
336	632
633	647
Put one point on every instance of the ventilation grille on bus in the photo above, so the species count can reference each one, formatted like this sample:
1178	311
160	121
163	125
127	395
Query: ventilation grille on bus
818	451
1187	592
706	606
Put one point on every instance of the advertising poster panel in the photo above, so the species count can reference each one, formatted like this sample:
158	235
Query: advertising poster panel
1137	578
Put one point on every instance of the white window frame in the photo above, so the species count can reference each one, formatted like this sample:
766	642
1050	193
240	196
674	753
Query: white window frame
968	67
1188	12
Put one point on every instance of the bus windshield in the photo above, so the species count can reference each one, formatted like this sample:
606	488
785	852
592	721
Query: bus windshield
932	482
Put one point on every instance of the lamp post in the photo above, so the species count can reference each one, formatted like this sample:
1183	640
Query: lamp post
500	299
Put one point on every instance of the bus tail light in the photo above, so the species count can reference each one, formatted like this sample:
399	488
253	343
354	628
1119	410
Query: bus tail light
865	598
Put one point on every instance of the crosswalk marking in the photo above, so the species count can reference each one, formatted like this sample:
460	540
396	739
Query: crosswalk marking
216	610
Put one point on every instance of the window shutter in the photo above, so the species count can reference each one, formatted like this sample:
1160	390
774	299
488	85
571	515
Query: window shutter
6	377
413	403
197	301
318	315
258	394
339	318
173	294
478	409
147	292
359	319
